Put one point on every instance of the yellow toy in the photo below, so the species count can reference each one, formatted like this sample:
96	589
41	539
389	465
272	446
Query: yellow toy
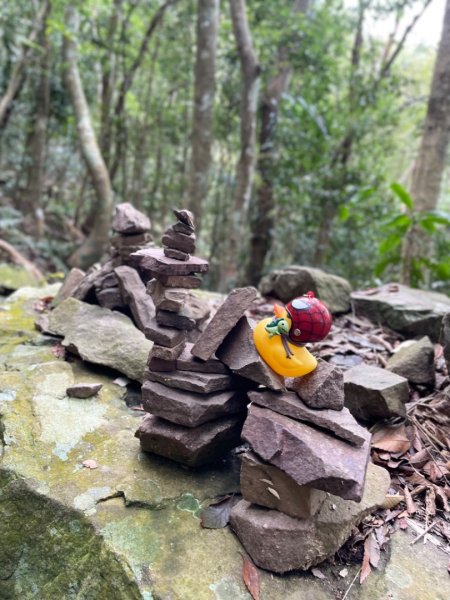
280	341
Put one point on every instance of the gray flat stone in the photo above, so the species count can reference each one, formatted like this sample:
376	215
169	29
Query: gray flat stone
188	408
180	281
129	220
164	336
83	390
226	317
101	336
310	457
341	423
179	241
70	284
239	353
415	362
110	298
190	316
406	310
166	353
372	393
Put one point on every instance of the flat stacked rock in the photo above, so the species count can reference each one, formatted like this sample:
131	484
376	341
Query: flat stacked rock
305	446
115	284
196	406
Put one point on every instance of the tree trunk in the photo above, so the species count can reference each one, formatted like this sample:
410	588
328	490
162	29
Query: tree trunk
430	164
37	146
245	167
262	213
97	241
18	73
205	75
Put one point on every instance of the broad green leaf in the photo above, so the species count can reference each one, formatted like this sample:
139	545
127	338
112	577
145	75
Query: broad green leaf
401	222
402	195
390	243
344	213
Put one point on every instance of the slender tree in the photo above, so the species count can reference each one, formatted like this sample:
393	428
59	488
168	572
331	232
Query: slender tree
245	166
262	212
430	164
97	240
205	83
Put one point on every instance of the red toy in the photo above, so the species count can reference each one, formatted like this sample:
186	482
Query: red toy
311	319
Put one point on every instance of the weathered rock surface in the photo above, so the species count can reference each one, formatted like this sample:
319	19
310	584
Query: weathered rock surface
226	317
280	543
191	315
239	353
164	336
180	281
154	260
176	254
415	362
129	220
101	336
161	364
14	277
83	390
327	463
70	284
296	280
403	309
270	487
179	241
187	362
171	299
322	388
192	447
373	393
202	383
110	298
185	216
341	423
445	338
136	240
187	408
135	294
166	353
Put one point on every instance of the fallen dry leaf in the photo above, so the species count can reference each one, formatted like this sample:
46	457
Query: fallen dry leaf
392	501
251	577
365	567
391	439
217	514
318	573
410	505
343	573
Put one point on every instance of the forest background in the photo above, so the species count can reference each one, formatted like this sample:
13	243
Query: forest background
312	132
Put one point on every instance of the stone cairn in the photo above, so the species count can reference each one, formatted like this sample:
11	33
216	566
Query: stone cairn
115	284
195	407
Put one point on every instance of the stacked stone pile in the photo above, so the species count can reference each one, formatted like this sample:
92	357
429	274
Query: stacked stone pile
307	454
195	406
115	284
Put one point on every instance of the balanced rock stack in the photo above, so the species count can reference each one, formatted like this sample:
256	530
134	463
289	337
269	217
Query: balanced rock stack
303	482
114	284
196	407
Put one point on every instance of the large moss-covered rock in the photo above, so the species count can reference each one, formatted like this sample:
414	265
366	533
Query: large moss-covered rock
13	277
101	336
403	309
296	280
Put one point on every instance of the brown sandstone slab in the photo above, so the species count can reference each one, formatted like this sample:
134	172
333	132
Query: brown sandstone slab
228	314
280	543
179	241
83	390
70	284
166	353
160	364
180	281
139	239
134	293
154	260
309	456
171	299
164	336
239	353
185	216
188	408
187	362
181	227
202	383
322	388
190	446
341	422
176	254
110	298
129	220
191	315
373	393
268	486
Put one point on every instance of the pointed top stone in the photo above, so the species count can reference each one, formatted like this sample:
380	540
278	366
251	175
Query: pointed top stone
128	219
185	216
